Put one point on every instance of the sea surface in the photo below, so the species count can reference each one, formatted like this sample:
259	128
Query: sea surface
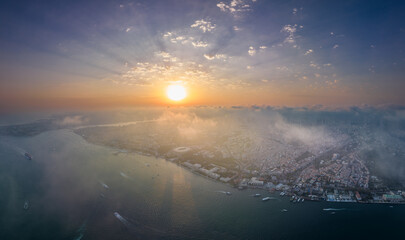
77	190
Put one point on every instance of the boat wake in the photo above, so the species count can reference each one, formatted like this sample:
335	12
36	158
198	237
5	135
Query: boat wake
81	231
124	175
335	209
224	192
130	226
270	198
104	185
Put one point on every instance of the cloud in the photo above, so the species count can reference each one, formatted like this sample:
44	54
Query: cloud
164	69
282	68
199	44
252	51
309	52
188	124
235	7
168	34
166	56
216	56
72	120
290	30
128	29
205	26
335	46
314	65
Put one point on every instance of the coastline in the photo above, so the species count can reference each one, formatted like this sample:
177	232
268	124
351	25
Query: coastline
287	194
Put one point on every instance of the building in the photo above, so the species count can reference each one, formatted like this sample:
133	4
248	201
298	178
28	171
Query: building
392	198
358	197
255	182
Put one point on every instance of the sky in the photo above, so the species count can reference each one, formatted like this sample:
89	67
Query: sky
92	54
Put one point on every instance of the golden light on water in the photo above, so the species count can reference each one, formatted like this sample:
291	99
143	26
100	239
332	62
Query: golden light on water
176	92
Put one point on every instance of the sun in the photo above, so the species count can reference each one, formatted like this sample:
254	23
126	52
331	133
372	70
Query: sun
176	92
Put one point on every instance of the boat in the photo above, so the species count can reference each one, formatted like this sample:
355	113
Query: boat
228	193
284	210
265	199
257	195
27	156
104	185
282	193
26	205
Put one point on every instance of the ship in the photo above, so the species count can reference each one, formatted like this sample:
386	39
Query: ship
265	199
257	195
228	193
27	156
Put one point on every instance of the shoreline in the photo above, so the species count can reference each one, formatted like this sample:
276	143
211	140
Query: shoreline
127	151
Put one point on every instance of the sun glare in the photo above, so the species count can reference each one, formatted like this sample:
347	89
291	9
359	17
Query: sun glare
176	92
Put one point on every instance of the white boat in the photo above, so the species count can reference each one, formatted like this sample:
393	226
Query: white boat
257	195
266	199
104	185
284	210
228	193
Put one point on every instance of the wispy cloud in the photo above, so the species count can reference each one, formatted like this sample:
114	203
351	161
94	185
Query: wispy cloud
236	28
215	56
146	73
252	51
236	7
199	44
309	51
290	30
167	57
205	26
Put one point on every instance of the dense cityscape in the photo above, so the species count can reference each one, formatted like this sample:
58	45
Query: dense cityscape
331	161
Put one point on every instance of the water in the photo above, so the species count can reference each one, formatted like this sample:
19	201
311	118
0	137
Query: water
66	181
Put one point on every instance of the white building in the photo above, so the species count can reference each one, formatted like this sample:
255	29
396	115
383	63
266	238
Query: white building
255	182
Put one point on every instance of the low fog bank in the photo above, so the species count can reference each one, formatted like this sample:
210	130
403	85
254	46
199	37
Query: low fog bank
377	132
